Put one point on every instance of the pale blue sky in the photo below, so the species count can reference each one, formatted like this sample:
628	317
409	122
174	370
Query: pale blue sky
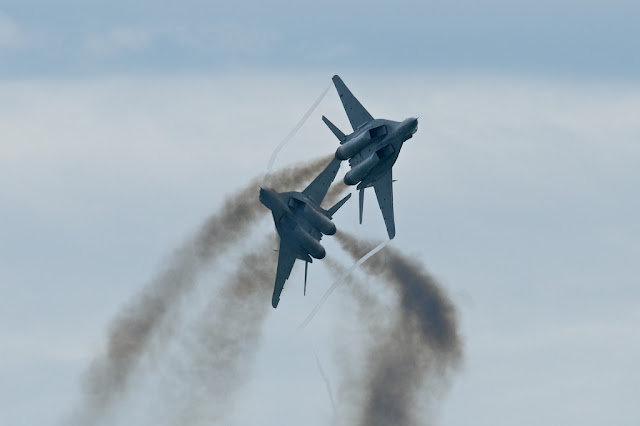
593	39
123	123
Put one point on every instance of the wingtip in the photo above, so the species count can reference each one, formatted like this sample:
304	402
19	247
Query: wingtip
274	302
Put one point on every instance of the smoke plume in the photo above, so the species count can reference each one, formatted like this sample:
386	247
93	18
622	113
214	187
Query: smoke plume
420	346
133	330
334	193
225	337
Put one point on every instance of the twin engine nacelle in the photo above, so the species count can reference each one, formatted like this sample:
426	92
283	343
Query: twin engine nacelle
310	244
357	144
319	221
356	174
352	147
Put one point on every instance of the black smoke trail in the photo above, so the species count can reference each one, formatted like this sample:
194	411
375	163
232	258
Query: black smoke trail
132	331
420	346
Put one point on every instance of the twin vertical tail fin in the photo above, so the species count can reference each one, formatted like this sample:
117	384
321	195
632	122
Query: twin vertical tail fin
306	269
361	203
331	212
341	136
339	204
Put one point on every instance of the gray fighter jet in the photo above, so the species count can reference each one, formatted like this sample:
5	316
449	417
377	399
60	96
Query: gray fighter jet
372	150
301	222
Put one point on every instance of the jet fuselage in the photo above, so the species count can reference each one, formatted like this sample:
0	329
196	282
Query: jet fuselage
292	210
378	143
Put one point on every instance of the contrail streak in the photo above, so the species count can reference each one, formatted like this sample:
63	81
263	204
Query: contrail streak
132	331
364	309
295	129
325	379
365	256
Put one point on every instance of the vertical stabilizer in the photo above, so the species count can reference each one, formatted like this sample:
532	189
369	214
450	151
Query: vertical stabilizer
339	204
361	203
341	136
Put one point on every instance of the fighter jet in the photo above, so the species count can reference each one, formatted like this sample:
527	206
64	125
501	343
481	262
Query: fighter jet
301	222
372	150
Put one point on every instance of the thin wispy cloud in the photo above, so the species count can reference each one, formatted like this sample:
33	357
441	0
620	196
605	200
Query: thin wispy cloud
587	40
12	34
120	39
229	37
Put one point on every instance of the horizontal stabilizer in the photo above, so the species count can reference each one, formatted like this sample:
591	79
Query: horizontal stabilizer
341	136
339	204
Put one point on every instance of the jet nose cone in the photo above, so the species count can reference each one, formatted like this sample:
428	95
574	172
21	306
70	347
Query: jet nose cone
413	123
268	197
263	196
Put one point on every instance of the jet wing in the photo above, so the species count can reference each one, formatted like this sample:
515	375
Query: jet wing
384	192
357	114
320	185
286	259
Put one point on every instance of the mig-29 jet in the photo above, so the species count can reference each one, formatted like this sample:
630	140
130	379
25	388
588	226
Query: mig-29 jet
301	222
372	150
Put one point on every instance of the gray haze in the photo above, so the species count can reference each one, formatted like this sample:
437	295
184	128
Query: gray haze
418	346
132	330
225	337
519	194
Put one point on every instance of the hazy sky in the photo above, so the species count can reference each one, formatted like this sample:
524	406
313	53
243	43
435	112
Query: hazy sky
76	38
123	125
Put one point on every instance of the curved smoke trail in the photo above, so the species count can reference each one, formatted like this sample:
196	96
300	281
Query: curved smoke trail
225	337
134	329
228	329
420	346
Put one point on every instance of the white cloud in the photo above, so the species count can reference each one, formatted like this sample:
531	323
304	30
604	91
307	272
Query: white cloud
230	37
120	39
12	35
235	37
